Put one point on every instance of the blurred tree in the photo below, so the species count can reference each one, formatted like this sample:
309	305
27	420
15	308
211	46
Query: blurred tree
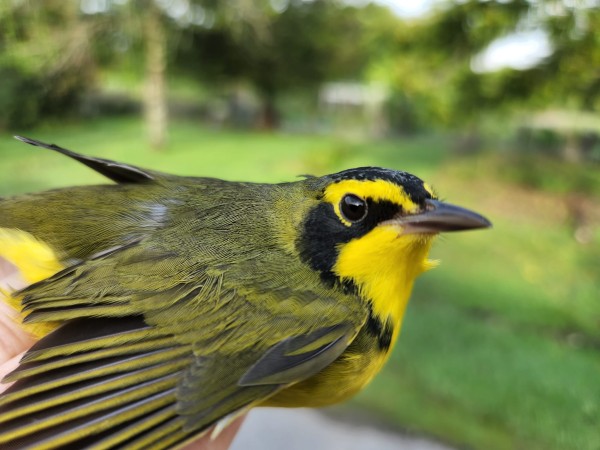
276	46
154	28
432	57
45	60
298	46
50	50
432	67
155	96
139	31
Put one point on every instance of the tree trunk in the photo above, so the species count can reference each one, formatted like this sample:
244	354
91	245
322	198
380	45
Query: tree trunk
572	149
155	102
269	115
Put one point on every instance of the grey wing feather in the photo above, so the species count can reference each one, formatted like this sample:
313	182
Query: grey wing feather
289	361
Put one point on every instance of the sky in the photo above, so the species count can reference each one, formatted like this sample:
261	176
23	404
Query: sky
519	51
408	8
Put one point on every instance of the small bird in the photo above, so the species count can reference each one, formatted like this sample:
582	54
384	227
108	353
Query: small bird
169	305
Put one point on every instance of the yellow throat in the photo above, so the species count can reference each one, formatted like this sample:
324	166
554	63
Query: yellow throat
383	263
384	266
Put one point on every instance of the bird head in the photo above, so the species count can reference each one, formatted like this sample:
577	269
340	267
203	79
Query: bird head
372	229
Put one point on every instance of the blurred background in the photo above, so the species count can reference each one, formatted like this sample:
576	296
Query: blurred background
494	103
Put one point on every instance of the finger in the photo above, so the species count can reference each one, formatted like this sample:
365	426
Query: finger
221	442
7	368
13	340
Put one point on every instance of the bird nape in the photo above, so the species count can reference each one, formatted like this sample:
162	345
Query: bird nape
166	305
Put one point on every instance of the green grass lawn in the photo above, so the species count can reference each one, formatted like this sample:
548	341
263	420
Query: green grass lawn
501	344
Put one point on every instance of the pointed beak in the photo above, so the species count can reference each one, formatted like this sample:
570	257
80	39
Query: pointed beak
440	217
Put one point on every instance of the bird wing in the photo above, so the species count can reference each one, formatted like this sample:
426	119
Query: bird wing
155	349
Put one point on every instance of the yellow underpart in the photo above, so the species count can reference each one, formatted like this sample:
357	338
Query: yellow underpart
384	264
35	261
376	190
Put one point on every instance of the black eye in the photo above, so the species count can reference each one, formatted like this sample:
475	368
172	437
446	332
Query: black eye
353	208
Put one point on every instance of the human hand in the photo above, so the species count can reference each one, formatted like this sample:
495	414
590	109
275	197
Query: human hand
14	342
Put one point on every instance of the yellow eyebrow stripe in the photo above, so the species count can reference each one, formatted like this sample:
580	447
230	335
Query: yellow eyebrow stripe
376	190
429	189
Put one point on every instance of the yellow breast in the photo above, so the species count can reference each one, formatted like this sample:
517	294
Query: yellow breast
339	381
383	265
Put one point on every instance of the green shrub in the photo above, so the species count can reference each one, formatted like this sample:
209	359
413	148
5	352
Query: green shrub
20	98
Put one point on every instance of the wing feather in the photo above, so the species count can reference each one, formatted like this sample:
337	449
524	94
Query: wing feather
296	358
30	369
91	333
59	399
141	426
91	426
183	342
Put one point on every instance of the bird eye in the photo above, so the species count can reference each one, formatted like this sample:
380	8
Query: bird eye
353	208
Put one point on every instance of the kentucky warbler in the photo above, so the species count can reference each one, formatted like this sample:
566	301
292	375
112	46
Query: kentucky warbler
166	304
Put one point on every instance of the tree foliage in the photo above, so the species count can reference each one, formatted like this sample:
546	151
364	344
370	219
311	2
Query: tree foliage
432	68
51	50
44	60
296	48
